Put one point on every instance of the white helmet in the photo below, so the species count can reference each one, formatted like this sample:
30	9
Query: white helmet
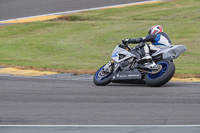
155	29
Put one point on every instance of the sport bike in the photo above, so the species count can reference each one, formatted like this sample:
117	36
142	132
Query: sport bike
126	66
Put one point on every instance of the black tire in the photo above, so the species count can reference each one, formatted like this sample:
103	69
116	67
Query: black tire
161	78
103	82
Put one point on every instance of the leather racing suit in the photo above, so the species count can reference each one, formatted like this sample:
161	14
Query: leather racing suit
158	41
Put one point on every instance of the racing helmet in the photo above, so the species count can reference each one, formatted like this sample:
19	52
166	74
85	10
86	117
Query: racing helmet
155	29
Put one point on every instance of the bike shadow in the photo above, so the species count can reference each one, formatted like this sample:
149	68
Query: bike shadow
167	85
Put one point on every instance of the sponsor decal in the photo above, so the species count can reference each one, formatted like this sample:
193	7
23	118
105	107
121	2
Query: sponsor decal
173	52
122	76
125	76
115	55
133	75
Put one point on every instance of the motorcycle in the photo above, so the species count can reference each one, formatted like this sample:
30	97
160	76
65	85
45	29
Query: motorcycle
126	66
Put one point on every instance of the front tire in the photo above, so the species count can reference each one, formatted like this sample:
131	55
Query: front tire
103	81
162	77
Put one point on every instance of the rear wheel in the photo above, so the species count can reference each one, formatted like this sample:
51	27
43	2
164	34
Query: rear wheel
162	77
102	77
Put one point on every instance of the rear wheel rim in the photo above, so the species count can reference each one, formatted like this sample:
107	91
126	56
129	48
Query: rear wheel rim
165	67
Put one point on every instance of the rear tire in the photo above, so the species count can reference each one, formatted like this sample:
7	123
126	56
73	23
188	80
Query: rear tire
101	82
161	78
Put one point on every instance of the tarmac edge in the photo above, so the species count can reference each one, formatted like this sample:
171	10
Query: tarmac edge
32	73
52	16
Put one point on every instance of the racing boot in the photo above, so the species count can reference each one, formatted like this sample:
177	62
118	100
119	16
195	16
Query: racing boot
147	63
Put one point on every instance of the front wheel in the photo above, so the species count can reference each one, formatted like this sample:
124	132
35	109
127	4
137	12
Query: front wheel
102	77
162	77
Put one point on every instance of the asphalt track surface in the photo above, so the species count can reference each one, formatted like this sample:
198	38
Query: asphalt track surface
10	9
39	101
102	129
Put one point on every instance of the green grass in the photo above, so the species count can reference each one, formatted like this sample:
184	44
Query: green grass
87	40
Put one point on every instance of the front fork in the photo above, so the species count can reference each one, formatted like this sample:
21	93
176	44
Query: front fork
109	67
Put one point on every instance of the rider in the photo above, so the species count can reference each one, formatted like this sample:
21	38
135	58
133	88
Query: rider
157	37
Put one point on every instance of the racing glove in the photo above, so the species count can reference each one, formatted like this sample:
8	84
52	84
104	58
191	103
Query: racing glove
125	41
